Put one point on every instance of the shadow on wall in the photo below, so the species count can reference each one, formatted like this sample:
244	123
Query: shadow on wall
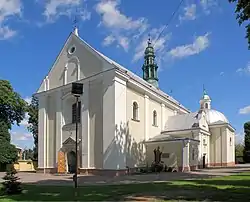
123	150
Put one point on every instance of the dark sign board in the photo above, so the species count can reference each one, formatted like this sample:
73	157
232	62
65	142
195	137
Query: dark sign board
77	88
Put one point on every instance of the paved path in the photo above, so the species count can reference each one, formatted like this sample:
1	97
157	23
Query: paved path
45	179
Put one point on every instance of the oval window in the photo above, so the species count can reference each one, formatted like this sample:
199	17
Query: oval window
72	50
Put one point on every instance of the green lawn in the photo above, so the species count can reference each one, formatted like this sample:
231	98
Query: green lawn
232	188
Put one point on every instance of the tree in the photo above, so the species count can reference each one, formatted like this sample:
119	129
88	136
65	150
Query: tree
12	110
11	184
247	142
33	123
8	152
239	148
12	106
243	15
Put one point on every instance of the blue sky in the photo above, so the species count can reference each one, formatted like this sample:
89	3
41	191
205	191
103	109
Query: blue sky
202	45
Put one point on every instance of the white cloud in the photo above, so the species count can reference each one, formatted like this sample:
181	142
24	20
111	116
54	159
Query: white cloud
56	8
8	9
207	5
121	27
239	138
245	110
20	136
189	13
222	73
245	70
28	100
200	44
108	40
25	121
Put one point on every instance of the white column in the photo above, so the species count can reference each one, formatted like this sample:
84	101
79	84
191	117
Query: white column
42	131
146	116
163	116
185	155
85	127
78	71
58	122
65	74
47	83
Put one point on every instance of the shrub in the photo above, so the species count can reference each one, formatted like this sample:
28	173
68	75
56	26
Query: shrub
11	185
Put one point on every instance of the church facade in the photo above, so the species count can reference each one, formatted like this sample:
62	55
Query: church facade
122	118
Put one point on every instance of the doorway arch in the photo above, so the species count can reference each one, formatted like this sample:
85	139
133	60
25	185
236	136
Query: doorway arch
71	160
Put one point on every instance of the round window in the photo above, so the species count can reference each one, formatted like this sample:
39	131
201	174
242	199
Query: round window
72	50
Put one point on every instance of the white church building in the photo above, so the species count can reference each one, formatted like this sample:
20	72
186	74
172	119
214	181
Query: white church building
122	118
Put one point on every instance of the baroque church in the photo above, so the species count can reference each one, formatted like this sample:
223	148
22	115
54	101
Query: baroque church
122	118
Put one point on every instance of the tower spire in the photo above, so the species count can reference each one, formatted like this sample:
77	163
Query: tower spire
150	67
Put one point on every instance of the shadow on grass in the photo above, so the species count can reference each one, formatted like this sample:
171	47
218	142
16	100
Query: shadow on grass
194	190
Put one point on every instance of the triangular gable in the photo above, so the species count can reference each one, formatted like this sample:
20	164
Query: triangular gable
63	58
69	141
42	85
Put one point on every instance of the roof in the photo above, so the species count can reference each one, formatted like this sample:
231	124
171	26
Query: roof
168	138
182	122
215	117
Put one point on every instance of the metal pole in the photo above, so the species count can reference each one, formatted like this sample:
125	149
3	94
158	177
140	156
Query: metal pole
76	170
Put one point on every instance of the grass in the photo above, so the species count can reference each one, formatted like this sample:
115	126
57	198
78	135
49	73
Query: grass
230	188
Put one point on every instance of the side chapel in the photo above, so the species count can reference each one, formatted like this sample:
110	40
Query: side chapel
122	118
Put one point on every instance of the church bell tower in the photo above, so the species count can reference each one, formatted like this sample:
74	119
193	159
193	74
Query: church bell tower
205	102
150	67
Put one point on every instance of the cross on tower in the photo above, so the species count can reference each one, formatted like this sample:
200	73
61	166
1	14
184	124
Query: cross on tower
149	38
76	19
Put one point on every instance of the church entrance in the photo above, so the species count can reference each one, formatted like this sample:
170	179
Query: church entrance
71	157
204	161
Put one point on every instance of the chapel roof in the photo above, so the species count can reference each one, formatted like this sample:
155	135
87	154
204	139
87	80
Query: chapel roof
191	120
182	122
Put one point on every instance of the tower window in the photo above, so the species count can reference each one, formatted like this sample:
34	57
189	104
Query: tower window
231	141
76	112
152	72
135	111
154	118
206	105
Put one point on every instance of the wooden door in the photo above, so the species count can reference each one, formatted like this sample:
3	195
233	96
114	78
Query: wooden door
61	167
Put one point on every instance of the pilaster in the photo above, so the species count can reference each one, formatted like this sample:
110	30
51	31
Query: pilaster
146	116
163	112
185	155
78	71
65	74
42	131
58	122
85	127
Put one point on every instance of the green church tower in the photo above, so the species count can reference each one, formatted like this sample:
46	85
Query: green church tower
150	67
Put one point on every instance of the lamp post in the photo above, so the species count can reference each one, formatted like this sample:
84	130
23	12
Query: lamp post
77	91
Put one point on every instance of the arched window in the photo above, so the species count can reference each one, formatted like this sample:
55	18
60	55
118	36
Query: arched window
206	105
154	118
231	141
135	111
76	112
